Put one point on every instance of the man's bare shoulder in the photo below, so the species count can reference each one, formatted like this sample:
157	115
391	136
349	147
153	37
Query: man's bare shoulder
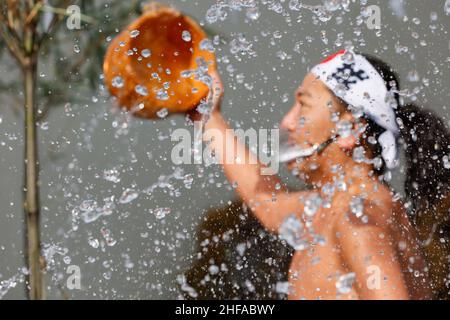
364	234
353	213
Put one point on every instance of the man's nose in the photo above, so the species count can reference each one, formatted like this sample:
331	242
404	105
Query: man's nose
289	121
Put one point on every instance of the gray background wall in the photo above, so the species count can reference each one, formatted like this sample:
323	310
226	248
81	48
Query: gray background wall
78	143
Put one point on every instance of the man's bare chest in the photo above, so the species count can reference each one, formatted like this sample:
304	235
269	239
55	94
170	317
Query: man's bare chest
317	271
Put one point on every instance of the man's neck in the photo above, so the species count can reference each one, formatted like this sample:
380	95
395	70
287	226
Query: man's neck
353	178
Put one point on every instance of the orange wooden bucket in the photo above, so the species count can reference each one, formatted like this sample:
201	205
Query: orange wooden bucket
143	64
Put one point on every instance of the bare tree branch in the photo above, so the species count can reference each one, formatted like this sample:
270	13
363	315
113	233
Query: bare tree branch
11	42
54	23
11	20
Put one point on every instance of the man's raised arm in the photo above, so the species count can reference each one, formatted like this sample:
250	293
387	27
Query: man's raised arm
264	194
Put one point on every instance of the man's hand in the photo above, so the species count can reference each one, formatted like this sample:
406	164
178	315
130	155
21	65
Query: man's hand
217	91
215	96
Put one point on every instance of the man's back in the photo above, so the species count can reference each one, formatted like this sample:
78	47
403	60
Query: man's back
371	255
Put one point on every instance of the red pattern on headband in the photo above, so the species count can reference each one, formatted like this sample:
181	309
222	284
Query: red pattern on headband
333	56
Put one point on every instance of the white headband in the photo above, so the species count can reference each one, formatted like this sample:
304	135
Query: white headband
354	79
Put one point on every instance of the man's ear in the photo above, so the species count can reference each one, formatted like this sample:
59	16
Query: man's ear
347	143
350	142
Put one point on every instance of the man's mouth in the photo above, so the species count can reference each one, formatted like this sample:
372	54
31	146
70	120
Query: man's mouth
290	151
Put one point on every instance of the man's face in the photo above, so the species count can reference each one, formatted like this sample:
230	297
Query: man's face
309	122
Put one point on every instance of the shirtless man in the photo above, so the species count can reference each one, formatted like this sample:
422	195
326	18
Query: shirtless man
368	248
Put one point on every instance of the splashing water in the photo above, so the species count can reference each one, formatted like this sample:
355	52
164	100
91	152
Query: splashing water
292	231
282	287
219	11
344	128
345	283
357	206
184	286
207	45
6	285
160	213
312	204
128	195
398	6
240	46
107	236
112	175
49	251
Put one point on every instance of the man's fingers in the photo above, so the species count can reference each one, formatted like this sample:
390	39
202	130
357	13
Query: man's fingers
194	115
217	89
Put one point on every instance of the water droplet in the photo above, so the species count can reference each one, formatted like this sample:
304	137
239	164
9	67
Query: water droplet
134	33
348	57
357	111
340	90
214	13
249	285
446	162
312	204
241	248
108	206
253	13
357	206
291	231
413	76
109	240
333	5
186	73
207	45
44	125
146	53
184	286
117	82
282	287
328	189
141	90
186	35
282	55
162	95
345	283
188	180
128	195
241	46
359	155
213	269
160	213
164	112
341	185
344	128
111	175
295	5
91	216
93	242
